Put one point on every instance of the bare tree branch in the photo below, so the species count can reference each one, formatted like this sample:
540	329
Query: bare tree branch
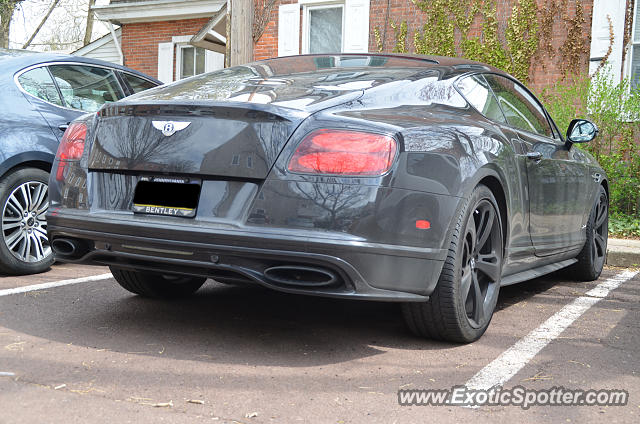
42	22
89	29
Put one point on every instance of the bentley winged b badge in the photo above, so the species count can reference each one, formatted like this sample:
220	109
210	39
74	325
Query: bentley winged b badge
169	128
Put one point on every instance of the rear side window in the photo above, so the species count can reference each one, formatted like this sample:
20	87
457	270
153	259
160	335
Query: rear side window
137	84
86	88
477	92
520	108
38	83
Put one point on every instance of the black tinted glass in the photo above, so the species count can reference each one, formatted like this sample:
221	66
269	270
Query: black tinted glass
86	88
138	84
477	92
520	108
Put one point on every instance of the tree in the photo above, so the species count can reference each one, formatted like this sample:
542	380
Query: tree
42	22
7	7
65	25
89	28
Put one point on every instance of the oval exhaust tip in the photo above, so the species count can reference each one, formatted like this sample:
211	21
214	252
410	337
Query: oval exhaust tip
304	276
63	246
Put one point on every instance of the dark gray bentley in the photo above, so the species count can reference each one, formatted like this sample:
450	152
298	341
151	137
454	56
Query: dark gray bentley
424	180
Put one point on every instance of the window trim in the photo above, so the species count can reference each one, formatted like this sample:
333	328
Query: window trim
179	47
113	71
552	125
459	90
46	65
306	21
55	85
632	44
125	83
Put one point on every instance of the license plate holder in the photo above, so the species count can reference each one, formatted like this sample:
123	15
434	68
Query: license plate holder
167	196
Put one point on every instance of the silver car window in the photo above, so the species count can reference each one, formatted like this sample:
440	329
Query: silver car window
38	83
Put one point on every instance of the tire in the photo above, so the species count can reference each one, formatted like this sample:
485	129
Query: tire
24	247
592	256
148	284
462	304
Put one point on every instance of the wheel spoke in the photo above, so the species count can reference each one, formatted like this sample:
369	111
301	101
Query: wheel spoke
39	195
9	219
484	228
15	238
600	245
601	216
38	247
471	236
24	190
465	284
42	210
9	225
25	247
15	205
41	231
478	301
488	265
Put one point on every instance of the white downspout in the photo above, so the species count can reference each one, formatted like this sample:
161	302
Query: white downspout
115	41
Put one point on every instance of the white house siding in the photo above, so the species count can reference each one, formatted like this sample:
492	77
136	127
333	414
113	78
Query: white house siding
103	49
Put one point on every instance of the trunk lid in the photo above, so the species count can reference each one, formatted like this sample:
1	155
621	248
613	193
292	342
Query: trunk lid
237	141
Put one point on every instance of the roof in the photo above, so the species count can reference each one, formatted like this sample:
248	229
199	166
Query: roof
312	82
311	62
128	11
97	43
13	61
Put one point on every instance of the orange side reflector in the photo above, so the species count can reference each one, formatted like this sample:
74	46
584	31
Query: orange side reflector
423	224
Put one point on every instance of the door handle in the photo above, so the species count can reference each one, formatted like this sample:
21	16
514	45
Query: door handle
536	156
63	127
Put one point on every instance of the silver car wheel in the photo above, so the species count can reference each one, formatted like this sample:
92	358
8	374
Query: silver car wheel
24	225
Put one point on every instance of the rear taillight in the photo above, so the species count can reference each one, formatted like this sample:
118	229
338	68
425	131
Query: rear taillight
344	152
71	147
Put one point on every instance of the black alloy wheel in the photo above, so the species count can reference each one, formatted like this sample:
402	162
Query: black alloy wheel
462	304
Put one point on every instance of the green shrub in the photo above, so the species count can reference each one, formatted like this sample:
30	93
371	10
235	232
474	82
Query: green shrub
624	226
615	109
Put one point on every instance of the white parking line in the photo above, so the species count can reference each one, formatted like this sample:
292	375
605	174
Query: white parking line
52	284
517	356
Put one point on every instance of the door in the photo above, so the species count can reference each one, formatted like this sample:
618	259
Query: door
557	184
62	92
45	97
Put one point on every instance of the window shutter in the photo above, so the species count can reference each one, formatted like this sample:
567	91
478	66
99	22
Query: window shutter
289	29
600	34
213	61
356	29
165	62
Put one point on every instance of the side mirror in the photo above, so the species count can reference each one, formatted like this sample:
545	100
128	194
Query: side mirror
581	131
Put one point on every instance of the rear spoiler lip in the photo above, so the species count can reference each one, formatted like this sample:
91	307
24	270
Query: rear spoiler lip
123	106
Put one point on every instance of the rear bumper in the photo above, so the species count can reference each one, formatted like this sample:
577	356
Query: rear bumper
364	270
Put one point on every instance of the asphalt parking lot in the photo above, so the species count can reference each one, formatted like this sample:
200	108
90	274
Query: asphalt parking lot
91	352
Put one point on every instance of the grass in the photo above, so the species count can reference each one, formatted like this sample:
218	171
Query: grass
622	226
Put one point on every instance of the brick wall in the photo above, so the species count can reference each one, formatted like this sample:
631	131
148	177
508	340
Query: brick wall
267	45
140	41
543	72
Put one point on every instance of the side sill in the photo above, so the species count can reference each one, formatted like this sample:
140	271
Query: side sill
535	272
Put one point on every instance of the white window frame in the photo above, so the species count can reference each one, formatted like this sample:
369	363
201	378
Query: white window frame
306	21
178	49
211	62
632	44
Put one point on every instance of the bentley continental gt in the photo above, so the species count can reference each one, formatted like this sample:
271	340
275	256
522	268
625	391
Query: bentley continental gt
429	181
